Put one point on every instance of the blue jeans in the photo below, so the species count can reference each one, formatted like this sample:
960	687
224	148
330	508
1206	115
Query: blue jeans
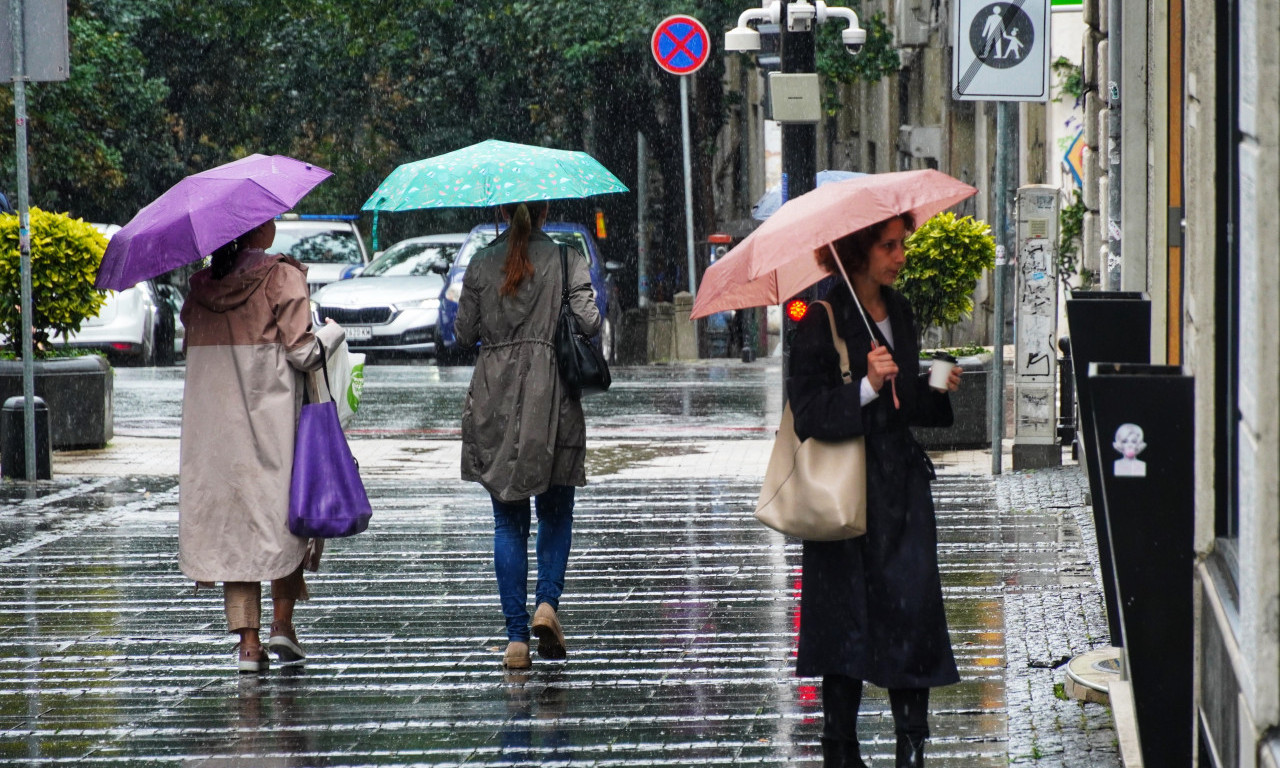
511	554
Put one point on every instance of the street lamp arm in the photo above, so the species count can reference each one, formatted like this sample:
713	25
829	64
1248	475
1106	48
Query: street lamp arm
854	36
769	14
840	12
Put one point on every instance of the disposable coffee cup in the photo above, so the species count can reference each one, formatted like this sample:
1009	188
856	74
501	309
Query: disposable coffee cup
940	371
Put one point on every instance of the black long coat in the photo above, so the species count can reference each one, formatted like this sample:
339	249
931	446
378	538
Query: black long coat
871	607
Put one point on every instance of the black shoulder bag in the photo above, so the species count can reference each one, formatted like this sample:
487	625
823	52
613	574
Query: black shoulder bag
582	367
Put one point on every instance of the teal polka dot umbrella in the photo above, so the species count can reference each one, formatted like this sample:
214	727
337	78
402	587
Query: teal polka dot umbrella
492	173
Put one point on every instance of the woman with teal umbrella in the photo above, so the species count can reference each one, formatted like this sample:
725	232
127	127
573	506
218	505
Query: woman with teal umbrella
523	435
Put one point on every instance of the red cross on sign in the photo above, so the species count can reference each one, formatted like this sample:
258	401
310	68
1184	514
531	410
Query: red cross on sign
680	45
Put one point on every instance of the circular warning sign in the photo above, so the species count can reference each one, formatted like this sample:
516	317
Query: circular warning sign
680	45
1001	35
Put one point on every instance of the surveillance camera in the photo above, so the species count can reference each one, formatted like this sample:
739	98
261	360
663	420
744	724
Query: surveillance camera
853	38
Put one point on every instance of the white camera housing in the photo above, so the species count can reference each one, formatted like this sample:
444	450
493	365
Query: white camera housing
742	39
853	38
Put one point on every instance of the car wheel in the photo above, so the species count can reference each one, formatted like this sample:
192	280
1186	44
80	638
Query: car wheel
445	356
164	333
610	328
608	340
148	355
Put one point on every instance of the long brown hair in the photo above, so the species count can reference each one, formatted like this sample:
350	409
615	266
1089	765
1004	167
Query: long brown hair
518	267
854	247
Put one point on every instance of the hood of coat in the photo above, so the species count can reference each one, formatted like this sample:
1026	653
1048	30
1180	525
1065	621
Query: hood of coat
235	289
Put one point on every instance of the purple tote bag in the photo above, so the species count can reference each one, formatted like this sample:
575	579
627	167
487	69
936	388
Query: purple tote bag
326	497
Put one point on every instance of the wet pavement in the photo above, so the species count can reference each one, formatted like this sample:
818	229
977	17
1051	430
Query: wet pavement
680	610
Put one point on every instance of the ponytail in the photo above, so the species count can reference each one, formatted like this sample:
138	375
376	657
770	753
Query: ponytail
224	259
518	267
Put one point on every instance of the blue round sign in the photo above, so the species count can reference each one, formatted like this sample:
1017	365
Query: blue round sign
680	45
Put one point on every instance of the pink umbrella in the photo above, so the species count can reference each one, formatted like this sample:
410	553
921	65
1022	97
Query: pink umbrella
776	261
203	211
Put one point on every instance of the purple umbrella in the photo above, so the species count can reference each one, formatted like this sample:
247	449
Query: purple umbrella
203	211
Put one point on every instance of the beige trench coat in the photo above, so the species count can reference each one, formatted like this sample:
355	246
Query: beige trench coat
521	432
248	343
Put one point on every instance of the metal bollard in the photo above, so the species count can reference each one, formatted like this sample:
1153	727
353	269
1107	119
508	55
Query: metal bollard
12	438
1066	396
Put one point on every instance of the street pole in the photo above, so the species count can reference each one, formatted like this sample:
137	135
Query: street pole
799	140
642	220
24	236
995	391
688	183
1114	137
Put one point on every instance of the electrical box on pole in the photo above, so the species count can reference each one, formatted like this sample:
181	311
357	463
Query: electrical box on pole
47	56
1035	436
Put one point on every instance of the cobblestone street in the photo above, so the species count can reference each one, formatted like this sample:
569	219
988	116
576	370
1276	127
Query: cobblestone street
680	612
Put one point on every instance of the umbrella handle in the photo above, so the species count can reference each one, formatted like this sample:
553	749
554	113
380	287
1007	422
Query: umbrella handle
893	383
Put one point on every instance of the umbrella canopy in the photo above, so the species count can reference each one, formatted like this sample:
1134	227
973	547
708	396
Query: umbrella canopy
204	211
771	200
492	173
776	261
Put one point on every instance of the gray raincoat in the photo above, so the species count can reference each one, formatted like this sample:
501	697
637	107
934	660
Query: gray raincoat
521	432
248	342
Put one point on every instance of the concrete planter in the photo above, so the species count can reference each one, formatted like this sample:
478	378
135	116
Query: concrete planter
972	428
78	392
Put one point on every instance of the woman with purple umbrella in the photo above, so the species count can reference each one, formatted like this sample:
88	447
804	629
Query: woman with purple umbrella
871	607
249	346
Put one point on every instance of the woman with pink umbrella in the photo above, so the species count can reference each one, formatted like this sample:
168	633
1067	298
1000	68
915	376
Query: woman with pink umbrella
871	607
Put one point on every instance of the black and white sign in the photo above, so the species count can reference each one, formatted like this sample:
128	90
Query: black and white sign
1001	50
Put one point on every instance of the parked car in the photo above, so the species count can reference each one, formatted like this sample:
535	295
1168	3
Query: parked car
330	246
137	325
575	235
393	305
134	326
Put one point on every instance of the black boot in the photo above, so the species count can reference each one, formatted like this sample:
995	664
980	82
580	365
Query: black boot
841	754
910	751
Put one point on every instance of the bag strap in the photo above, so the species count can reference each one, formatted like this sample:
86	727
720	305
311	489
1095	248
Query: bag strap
324	370
564	274
845	374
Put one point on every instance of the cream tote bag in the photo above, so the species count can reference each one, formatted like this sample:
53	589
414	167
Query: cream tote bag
816	490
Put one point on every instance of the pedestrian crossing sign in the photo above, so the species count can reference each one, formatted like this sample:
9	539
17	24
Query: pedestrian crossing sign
1000	50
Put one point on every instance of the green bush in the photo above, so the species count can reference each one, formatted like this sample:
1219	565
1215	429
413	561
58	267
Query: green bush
945	258
65	254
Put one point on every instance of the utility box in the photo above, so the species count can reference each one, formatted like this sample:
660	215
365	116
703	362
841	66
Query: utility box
1035	407
795	98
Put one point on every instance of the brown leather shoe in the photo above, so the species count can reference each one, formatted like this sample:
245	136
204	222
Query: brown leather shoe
546	626
252	658
284	642
517	656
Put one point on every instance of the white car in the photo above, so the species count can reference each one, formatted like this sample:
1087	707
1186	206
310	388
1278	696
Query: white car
391	307
330	246
134	326
137	325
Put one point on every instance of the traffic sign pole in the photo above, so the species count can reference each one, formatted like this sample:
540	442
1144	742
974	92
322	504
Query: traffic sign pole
680	45
24	236
688	183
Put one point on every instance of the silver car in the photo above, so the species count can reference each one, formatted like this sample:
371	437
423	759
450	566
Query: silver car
392	306
330	246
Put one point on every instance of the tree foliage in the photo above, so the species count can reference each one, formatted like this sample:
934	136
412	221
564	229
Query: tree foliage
164	88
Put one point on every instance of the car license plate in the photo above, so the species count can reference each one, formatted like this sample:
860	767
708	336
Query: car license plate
359	332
